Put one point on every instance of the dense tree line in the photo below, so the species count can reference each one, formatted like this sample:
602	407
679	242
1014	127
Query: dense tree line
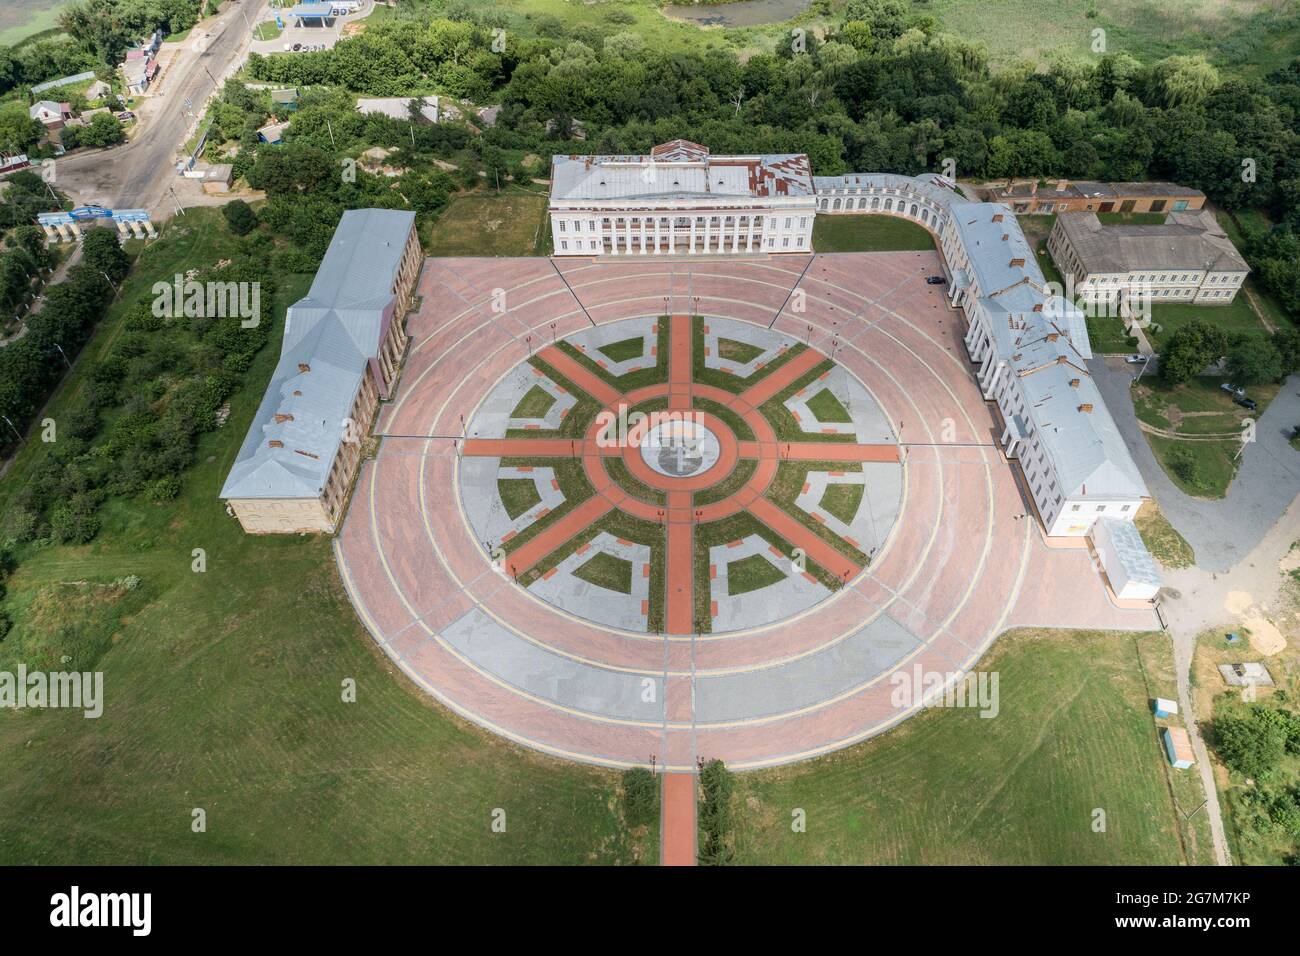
164	378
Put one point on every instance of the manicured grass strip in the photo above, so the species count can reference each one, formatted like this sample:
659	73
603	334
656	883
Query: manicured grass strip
863	232
736	351
728	486
720	379
1073	733
726	416
1162	539
624	350
789	482
729	529
629	528
751	573
842	500
607	571
1203	469
618	471
828	408
518	495
655	374
536	402
573	484
574	424
784	424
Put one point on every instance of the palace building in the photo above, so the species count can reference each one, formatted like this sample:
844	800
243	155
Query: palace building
342	351
681	200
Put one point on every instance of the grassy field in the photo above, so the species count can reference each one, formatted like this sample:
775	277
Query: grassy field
867	233
1074	734
22	19
1162	539
1200	407
1257	31
488	223
224	692
1236	317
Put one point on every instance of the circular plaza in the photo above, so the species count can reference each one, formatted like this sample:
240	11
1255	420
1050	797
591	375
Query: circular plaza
652	512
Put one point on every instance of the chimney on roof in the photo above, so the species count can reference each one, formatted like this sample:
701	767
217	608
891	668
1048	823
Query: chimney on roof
1053	336
1074	383
997	217
1038	307
1017	262
275	443
1033	188
1061	360
1085	408
282	417
304	367
1006	236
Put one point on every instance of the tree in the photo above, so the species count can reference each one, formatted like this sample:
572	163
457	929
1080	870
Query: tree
1253	360
1251	746
239	217
103	130
103	253
18	131
1190	350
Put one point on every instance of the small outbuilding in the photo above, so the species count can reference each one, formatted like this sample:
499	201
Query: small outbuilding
285	99
272	133
1164	707
1178	747
1128	565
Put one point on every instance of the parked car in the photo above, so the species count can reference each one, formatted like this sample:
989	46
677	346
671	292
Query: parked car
1233	389
1135	359
1246	403
935	280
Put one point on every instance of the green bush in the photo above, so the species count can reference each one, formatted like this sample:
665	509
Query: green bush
715	814
640	796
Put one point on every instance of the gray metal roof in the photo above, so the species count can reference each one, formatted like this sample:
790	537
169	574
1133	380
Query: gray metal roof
329	337
1132	552
680	170
1193	241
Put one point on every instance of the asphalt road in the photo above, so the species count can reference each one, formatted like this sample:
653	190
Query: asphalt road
137	173
1221	531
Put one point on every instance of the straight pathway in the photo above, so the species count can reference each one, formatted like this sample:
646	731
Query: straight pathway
677	827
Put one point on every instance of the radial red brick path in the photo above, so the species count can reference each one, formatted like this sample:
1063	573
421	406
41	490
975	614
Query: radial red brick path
677	831
679	517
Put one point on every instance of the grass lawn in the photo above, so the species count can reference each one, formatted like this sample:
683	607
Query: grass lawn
725	380
624	350
620	525
266	30
489	223
727	416
618	471
728	486
1199	407
574	486
572	425
867	233
607	571
1107	335
1233	318
1162	539
751	573
786	488
783	422
518	495
842	500
654	374
736	351
536	402
828	408
223	692
1073	734
733	528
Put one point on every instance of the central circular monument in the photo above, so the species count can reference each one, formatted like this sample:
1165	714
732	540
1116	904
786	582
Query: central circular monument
680	448
681	475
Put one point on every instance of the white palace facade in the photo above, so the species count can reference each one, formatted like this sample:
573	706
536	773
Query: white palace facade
1028	343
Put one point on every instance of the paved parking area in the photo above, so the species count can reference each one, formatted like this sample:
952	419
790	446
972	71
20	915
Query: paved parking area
959	566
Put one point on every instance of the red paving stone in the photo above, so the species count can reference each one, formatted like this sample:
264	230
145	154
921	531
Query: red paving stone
956	570
678	829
